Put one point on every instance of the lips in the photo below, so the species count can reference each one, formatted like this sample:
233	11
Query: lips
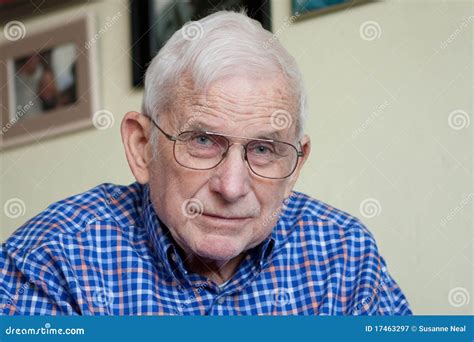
230	218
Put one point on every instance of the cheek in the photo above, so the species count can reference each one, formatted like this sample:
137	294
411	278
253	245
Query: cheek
173	186
271	201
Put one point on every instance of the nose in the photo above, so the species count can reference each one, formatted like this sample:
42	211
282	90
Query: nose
230	179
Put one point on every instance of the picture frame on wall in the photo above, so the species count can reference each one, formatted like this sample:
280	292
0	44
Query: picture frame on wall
154	21
308	8
47	81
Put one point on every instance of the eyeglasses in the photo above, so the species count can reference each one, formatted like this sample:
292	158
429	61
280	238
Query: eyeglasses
202	150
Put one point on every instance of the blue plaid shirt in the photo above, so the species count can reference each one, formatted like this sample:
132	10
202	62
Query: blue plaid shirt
105	252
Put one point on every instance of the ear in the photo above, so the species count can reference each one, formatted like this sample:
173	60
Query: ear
135	129
306	149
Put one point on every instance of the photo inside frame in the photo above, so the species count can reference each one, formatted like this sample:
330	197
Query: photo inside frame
44	81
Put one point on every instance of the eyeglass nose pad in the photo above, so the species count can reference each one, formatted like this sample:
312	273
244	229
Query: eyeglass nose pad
244	150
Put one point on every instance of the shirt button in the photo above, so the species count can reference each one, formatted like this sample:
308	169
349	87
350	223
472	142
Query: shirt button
221	300
173	257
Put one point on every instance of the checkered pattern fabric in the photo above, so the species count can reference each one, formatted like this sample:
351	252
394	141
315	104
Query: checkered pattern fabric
105	252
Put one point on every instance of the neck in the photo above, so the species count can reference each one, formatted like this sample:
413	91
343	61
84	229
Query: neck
216	270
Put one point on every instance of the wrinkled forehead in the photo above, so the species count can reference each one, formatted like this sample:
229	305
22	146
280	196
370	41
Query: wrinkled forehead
243	105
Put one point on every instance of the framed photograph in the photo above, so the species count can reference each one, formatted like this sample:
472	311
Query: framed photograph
154	22
307	8
47	81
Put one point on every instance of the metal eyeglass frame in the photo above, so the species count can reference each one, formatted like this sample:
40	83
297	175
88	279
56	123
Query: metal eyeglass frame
174	138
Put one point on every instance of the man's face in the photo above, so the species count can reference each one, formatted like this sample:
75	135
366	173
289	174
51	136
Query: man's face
239	208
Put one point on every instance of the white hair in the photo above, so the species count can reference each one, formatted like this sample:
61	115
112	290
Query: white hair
221	44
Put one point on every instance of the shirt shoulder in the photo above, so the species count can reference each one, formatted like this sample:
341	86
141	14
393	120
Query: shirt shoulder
66	218
323	220
346	252
40	261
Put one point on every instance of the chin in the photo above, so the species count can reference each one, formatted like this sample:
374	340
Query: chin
219	248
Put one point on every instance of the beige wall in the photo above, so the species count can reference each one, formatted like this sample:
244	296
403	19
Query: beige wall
379	128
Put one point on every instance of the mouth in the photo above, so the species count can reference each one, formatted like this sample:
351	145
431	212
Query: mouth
226	218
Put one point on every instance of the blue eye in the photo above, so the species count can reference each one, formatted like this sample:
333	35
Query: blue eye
262	149
203	140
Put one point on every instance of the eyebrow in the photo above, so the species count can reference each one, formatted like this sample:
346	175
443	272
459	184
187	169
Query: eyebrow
274	135
197	125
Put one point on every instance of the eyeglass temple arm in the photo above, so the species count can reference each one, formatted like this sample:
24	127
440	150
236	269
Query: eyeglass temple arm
300	152
169	136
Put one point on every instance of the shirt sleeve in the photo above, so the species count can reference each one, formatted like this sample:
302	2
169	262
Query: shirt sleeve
375	292
37	293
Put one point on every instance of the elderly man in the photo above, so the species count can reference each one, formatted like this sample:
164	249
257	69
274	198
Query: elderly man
212	226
